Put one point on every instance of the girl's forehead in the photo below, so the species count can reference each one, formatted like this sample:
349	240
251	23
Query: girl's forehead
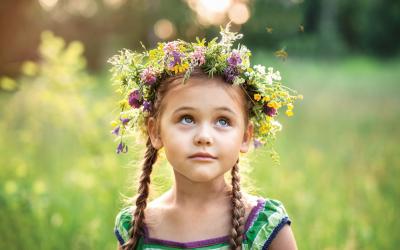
206	93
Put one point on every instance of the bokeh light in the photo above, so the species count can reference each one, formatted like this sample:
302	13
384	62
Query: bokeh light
114	4
48	4
239	13
164	29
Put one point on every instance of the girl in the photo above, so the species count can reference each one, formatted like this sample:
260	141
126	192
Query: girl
202	125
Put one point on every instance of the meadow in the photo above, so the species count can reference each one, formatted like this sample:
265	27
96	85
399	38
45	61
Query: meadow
61	182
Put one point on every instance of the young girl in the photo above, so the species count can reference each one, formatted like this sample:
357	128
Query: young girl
203	105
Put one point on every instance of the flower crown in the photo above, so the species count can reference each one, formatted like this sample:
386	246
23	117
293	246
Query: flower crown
138	75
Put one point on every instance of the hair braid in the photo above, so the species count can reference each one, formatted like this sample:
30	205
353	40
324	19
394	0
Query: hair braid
237	210
136	230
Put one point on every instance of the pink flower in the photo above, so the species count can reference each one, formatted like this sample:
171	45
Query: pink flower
198	55
148	76
170	47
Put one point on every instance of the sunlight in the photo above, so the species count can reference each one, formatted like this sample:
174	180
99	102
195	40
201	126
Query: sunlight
48	4
211	12
239	13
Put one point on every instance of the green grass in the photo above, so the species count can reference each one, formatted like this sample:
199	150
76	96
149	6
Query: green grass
60	180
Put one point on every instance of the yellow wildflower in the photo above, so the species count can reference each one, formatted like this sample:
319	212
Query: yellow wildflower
123	104
274	104
114	123
290	106
300	97
257	97
264	128
289	112
266	98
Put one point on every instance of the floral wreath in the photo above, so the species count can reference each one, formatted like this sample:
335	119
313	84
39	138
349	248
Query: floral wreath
137	76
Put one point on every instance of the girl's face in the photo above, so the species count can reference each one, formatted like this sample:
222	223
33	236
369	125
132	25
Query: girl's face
202	116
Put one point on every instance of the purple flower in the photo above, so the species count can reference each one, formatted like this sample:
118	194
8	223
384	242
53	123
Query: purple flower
122	147
234	59
177	58
125	120
230	73
172	53
257	143
148	76
269	110
135	99
116	130
146	106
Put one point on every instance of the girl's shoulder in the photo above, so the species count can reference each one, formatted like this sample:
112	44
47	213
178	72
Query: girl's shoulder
264	222
269	217
123	223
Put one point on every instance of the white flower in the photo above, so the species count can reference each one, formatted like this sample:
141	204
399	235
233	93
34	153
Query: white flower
259	68
271	76
276	126
238	80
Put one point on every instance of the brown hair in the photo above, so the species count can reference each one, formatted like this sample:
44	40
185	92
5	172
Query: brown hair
150	157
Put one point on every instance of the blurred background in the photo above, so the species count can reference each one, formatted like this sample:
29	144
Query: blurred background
61	182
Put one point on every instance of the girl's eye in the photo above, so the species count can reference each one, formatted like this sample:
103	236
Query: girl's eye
186	118
225	122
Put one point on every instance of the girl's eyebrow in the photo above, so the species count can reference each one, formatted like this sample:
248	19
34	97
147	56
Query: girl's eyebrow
219	108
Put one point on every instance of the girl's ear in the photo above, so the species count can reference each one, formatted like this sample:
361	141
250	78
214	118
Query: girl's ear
152	130
248	135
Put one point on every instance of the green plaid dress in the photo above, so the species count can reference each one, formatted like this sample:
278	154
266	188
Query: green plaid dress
263	223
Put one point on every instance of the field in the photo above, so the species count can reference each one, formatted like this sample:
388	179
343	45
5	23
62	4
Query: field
61	181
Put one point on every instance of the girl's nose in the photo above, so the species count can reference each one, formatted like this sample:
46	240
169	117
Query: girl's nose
203	138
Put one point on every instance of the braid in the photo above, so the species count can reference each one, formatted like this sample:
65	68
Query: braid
136	231
237	211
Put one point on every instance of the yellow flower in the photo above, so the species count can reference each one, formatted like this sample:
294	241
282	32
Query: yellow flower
123	104
265	127
289	112
274	104
257	97
266	98
153	54
114	123
283	94
179	68
300	97
290	106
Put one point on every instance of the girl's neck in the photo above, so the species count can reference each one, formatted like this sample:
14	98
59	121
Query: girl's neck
188	194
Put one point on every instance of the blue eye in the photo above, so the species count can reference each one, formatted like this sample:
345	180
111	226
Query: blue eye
225	123
186	118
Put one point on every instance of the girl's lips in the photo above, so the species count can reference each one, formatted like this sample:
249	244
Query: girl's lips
200	158
203	155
